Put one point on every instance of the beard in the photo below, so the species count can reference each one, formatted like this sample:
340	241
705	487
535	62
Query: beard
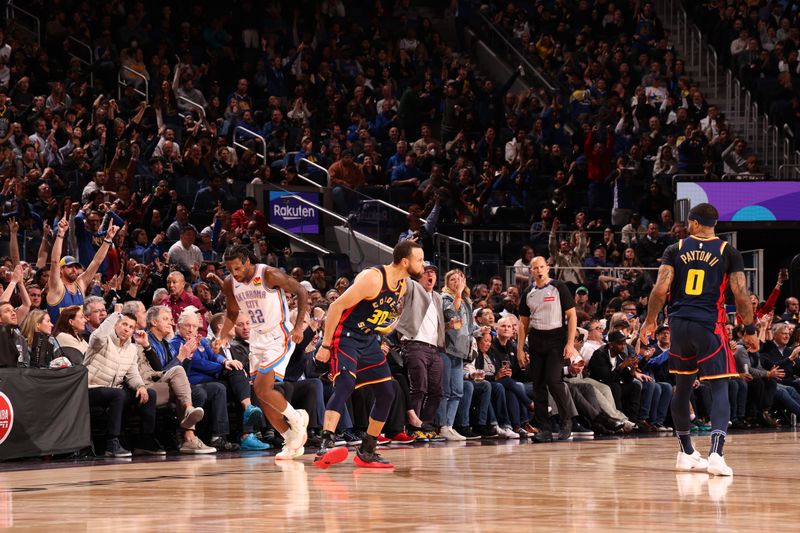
72	276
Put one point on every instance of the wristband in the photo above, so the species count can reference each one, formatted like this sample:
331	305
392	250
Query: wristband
108	241
326	346
750	329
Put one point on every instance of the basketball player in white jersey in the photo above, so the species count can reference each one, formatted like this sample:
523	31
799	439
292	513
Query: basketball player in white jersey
259	291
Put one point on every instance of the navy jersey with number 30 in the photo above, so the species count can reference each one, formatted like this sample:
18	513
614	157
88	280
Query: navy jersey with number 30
702	270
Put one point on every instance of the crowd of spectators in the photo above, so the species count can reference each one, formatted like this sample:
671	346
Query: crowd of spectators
118	207
638	115
758	42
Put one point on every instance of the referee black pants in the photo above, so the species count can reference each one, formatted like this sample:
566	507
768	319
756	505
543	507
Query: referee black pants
546	369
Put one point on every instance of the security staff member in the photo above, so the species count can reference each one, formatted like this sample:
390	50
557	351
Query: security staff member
547	316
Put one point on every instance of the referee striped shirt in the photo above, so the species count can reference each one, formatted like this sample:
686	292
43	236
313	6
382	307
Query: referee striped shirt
546	306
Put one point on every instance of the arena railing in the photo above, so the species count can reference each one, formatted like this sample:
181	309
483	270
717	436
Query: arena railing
263	154
123	83
13	13
512	50
442	241
200	108
304	242
90	62
738	103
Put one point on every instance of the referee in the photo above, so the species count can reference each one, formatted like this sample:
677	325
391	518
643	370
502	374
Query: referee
542	313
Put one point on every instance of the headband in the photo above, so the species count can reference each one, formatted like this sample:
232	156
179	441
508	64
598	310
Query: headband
703	221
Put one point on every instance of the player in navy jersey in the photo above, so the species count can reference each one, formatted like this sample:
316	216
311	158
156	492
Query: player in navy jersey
692	278
351	345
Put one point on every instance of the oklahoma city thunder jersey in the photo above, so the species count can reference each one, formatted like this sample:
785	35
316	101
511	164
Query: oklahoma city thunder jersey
378	314
702	270
265	306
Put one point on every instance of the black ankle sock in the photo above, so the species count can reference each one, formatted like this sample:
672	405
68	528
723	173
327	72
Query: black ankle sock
368	444
717	442
328	438
685	441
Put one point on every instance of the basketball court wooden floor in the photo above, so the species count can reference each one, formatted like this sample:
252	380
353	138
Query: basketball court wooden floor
583	486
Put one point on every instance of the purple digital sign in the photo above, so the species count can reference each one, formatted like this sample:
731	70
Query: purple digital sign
297	217
746	201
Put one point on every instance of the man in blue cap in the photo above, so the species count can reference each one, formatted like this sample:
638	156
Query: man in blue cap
67	284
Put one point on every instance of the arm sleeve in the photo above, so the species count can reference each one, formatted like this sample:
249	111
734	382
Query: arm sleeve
567	300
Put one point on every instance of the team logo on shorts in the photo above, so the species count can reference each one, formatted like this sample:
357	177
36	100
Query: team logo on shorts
257	281
6	417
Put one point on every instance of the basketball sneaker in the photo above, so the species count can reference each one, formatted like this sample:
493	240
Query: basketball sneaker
688	462
299	430
329	454
383	440
287	453
717	466
371	460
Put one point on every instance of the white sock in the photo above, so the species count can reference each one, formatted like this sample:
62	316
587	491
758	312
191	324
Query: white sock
286	434
291	414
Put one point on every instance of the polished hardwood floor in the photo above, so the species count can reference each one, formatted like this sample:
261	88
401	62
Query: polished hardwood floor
624	484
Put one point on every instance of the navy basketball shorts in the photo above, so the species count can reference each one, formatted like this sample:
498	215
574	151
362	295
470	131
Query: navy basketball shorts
696	348
361	356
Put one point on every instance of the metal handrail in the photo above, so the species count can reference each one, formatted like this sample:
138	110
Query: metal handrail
316	206
263	154
11	13
301	240
122	83
194	104
552	89
90	62
386	204
795	167
439	238
310	181
313	164
772	131
711	51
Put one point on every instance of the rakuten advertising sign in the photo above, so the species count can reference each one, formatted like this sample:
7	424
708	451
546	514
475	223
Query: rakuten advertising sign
292	215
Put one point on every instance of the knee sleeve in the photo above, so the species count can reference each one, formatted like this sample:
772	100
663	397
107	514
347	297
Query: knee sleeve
384	396
345	384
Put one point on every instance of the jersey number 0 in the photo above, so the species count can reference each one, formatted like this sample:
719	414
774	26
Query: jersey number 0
694	282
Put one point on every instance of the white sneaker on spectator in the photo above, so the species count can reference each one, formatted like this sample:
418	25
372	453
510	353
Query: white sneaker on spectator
195	447
287	453
507	433
192	417
299	430
686	462
717	466
450	434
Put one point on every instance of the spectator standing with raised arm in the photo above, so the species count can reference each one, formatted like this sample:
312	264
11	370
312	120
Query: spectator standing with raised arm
67	285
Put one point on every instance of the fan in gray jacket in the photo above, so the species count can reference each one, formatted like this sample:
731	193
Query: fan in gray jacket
459	329
421	330
114	382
